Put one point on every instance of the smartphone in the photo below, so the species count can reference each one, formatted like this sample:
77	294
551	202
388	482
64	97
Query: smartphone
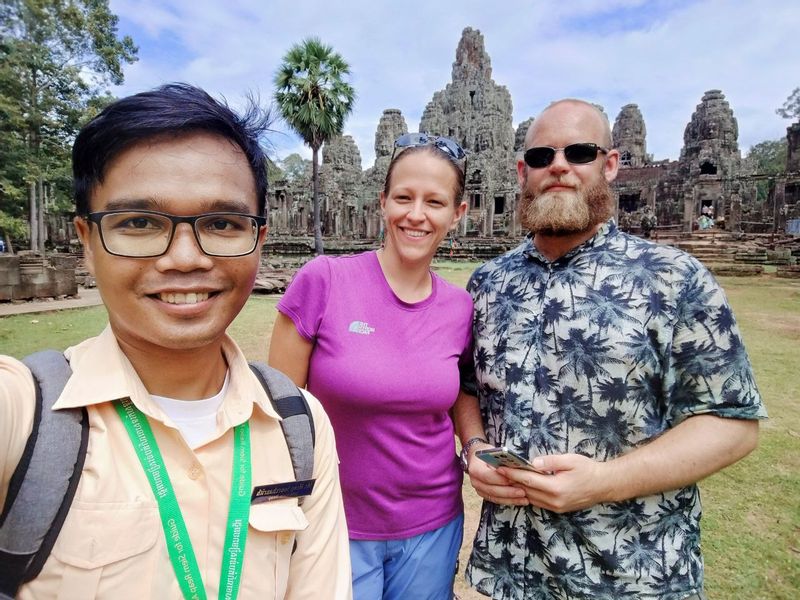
503	457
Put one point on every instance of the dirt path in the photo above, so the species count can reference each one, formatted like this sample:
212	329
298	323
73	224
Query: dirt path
85	297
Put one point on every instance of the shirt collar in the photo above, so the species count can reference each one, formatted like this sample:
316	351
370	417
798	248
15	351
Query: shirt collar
606	232
102	373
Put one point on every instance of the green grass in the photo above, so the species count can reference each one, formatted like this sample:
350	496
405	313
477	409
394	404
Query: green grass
22	334
751	511
751	520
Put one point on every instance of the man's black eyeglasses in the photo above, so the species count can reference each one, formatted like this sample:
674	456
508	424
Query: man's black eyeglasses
148	233
539	157
446	145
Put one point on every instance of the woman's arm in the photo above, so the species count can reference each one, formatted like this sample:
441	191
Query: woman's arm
289	352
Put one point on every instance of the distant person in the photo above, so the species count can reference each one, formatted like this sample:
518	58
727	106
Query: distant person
615	366
625	220
649	222
170	192
378	337
2	245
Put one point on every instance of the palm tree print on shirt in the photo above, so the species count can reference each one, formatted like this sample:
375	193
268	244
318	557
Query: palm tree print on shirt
596	353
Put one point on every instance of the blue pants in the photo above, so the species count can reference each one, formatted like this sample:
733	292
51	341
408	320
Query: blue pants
422	567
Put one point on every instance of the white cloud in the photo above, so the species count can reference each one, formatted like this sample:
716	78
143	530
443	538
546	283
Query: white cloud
662	55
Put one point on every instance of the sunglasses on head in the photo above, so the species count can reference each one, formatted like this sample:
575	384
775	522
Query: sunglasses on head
446	145
539	157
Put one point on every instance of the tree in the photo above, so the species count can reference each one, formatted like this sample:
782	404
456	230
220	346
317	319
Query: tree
56	57
767	158
791	108
295	167
314	100
274	172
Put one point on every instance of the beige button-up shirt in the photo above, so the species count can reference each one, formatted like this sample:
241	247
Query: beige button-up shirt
112	543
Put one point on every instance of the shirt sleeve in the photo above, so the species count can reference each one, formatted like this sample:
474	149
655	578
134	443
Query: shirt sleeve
320	566
466	367
710	371
307	296
17	405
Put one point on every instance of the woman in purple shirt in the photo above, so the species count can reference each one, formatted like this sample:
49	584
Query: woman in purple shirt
378	338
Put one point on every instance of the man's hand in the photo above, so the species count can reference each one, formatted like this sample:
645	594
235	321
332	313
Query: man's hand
694	449
576	482
491	485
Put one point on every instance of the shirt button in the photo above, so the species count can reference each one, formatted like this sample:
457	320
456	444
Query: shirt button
195	471
283	537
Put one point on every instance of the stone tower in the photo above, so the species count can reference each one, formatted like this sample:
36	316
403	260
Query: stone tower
793	148
519	136
629	137
476	112
391	126
711	139
710	160
340	184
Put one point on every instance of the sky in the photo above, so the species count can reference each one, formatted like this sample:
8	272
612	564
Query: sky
659	54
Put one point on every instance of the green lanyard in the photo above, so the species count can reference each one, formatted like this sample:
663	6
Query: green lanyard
179	545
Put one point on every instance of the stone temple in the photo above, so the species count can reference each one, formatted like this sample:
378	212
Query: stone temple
710	184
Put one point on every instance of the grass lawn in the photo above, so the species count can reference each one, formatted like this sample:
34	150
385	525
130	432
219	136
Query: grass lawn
751	517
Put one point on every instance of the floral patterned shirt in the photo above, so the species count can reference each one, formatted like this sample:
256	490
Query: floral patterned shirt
596	353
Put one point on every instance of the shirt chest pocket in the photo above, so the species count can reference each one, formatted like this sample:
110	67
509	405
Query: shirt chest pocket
108	550
274	527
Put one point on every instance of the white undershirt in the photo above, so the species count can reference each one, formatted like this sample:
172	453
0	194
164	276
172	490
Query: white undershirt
195	419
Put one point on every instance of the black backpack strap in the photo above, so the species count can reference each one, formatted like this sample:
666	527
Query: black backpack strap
297	423
41	489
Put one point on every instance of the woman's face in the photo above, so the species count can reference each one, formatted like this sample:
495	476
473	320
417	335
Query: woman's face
420	207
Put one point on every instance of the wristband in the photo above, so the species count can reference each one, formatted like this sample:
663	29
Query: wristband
465	451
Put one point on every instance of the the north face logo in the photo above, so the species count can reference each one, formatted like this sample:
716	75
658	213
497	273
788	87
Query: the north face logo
360	327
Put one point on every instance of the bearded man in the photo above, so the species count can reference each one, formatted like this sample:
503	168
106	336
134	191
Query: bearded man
615	366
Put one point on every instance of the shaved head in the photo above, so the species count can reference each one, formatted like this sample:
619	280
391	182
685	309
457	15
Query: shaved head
591	112
563	198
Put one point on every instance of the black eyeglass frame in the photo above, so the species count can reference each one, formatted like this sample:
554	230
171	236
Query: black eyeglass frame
413	140
97	217
593	148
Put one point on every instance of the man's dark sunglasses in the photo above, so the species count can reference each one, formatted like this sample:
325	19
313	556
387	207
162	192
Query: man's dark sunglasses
539	157
446	145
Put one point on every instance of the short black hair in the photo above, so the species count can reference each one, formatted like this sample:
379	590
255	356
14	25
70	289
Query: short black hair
173	109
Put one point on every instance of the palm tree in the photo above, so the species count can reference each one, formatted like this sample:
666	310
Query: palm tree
573	409
609	434
314	101
585	355
552	312
545	432
624	516
641	554
607	307
568	579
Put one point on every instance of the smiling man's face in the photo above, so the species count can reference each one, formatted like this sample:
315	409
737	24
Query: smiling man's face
566	198
184	299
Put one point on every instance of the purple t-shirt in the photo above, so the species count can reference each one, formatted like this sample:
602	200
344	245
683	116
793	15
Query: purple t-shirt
386	372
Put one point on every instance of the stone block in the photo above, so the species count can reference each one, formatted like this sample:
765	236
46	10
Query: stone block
9	270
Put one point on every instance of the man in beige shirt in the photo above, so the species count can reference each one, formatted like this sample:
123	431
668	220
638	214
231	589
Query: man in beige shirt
170	190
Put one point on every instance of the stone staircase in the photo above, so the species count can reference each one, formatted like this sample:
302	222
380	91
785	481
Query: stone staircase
727	254
724	254
788	272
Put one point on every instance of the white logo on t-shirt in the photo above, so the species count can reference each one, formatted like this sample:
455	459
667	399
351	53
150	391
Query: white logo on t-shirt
360	327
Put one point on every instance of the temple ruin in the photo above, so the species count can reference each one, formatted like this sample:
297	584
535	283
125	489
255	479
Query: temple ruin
708	186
